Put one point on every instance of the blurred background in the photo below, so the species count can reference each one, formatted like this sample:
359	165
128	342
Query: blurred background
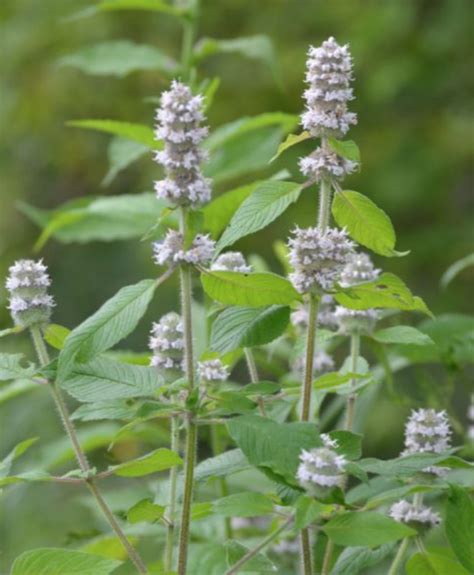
413	76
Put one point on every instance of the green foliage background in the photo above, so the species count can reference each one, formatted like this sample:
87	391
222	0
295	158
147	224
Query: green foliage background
412	69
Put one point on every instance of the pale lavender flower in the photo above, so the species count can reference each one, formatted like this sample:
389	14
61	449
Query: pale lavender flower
321	467
167	343
359	269
318	258
324	164
179	126
28	284
231	262
405	512
170	251
212	370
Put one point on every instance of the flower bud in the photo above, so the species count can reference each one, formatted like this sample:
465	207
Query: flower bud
171	250
30	303
231	262
212	370
167	343
320	468
416	516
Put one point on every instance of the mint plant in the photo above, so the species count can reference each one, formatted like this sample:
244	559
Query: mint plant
260	469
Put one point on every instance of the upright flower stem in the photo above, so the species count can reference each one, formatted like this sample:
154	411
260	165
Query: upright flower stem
324	205
251	365
43	357
173	477
191	428
351	400
309	358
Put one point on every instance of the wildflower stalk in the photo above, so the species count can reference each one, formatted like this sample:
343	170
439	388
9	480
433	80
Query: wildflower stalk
43	357
251	365
398	559
351	400
173	477
309	358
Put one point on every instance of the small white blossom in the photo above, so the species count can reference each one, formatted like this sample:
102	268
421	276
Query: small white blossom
324	164
212	370
300	317
359	269
318	258
231	262
328	441
329	74
320	467
406	512
28	284
171	250
179	126
167	343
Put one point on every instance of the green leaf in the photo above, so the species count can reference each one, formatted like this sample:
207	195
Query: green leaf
434	564
140	133
219	212
388	291
221	465
105	380
269	200
365	529
122	153
346	148
349	444
110	409
333	379
273	446
152	462
259	563
404	334
149	5
112	322
108	546
11	368
16	388
145	510
291	140
460	525
456	268
119	58
365	222
248	327
307	511
261	388
62	562
254	290
259	47
56	335
410	464
17	451
354	559
245	504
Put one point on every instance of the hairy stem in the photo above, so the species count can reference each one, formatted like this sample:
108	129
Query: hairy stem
309	358
43	357
327	558
189	33
236	568
325	195
172	498
351	400
398	559
251	365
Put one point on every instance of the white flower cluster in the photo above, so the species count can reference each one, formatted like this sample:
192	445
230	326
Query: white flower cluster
406	512
167	343
179	126
321	467
171	250
231	262
28	284
318	258
300	317
358	270
324	164
427	431
329	75
212	370
322	363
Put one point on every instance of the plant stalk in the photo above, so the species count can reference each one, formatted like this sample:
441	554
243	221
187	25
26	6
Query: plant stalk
351	400
398	559
43	357
327	557
325	196
251	365
309	358
236	568
173	477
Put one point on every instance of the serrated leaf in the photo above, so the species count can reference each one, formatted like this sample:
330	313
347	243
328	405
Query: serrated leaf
291	140
253	290
221	465
259	563
404	334
387	291
145	510
268	201
119	58
106	380
345	148
11	368
17	451
434	564
140	133
365	529
157	460
410	464
248	327
354	559
245	504
307	511
50	561
365	222
113	321
110	409
460	525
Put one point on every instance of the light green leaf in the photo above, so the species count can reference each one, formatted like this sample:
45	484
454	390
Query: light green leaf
17	451
388	291
148	5
11	368
434	564
291	140
460	525
221	465
253	290
121	153
50	561
248	327
333	379
119	58
259	563
110	409
112	322
308	510
365	529
365	222
16	388
245	504
145	510
354	559
108	546
152	462
404	334
456	268
140	133
105	380
269	200
410	464
346	148
56	335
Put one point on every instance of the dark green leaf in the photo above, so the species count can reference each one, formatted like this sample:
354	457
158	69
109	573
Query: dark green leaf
221	465
354	559
460	525
257	564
